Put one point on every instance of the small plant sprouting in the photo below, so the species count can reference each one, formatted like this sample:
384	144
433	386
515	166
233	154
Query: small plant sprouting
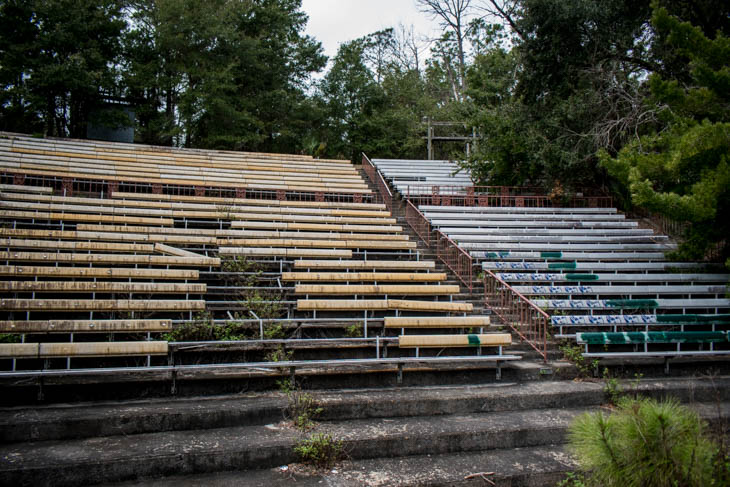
302	409
613	388
320	450
354	331
279	354
574	354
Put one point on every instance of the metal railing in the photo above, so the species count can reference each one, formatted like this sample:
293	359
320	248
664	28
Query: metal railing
456	259
377	179
419	223
519	196
523	317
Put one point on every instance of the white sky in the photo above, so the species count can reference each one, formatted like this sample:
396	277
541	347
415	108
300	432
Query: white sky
333	22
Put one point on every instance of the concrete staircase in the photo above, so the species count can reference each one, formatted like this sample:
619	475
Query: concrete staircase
401	436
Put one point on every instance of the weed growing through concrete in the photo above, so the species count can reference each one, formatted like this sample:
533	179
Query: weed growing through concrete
320	450
612	389
302	409
574	354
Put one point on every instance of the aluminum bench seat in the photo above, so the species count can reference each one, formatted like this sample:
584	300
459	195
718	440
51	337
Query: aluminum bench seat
576	257
601	278
568	239
591	266
644	319
615	304
514	209
651	290
641	337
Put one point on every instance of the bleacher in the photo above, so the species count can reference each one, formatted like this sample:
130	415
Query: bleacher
595	273
127	252
418	177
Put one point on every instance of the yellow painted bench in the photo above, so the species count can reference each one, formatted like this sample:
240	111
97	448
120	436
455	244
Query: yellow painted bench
108	259
436	322
350	244
464	340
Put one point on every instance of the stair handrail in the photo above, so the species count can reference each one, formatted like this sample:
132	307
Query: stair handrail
524	318
376	178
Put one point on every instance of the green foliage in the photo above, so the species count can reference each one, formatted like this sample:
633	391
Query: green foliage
354	331
683	171
9	338
644	443
574	353
572	479
612	389
279	354
320	450
301	409
202	328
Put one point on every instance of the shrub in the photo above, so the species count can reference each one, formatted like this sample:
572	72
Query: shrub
302	409
644	443
574	353
319	450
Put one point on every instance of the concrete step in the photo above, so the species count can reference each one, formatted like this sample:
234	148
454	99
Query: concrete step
129	457
541	466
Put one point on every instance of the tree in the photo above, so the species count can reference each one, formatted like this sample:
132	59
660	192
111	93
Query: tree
683	170
58	59
453	17
645	443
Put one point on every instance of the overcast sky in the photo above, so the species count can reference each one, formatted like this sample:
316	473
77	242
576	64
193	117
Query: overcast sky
333	22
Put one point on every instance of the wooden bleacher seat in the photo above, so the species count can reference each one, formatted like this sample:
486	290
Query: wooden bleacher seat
98	272
65	245
101	287
465	340
81	217
316	235
108	259
436	322
317	227
302	243
83	349
364	276
19	188
355	289
85	326
122	236
381	304
99	305
286	252
366	264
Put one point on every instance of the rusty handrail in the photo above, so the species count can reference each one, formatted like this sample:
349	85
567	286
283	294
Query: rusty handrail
456	259
419	223
523	317
377	179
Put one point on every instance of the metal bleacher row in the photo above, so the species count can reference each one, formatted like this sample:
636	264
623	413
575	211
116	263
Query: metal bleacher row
602	280
414	177
106	280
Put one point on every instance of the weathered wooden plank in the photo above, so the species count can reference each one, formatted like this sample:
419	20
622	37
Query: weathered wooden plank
84	349
106	272
109	258
364	264
99	305
166	249
350	244
283	252
381	304
102	287
25	189
50	244
85	326
364	276
406	289
82	217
